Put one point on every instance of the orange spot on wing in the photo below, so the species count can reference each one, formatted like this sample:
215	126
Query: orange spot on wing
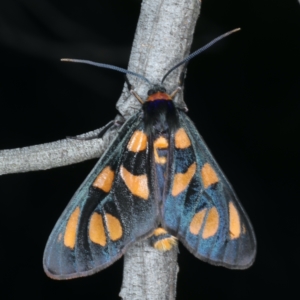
197	222
181	181
138	141
96	230
160	143
114	227
211	224
234	222
159	96
104	180
71	229
208	175
182	140
137	184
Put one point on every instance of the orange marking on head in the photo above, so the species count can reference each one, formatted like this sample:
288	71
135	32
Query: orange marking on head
160	143
159	231
159	96
181	181
234	222
197	222
96	230
114	227
211	224
182	140
137	184
165	244
138	141
71	229
104	180
208	175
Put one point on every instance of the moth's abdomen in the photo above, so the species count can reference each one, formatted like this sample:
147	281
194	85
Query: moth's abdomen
163	241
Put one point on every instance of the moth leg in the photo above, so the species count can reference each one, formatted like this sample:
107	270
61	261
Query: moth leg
98	135
183	106
180	84
178	89
132	91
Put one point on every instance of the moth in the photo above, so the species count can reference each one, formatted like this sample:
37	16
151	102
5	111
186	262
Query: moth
157	179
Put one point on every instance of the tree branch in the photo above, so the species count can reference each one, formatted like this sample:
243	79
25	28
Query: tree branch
56	154
163	37
148	273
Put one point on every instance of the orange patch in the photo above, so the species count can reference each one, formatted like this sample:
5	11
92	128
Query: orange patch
137	184
96	230
159	96
197	222
138	141
165	244
181	181
234	222
182	140
208	175
160	143
211	224
104	180
159	231
114	227
71	229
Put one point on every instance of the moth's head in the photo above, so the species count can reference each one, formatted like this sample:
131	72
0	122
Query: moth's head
157	88
158	92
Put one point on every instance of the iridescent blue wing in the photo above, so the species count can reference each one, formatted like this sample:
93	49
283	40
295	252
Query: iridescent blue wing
201	208
113	208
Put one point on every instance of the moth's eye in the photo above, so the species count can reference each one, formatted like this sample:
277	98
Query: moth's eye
150	92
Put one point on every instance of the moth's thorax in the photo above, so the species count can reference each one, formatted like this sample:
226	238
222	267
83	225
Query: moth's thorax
159	114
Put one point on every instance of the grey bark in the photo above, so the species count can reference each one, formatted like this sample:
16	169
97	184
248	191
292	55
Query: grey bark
163	37
50	155
148	273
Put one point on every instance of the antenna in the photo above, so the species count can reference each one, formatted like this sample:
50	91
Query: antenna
106	66
192	55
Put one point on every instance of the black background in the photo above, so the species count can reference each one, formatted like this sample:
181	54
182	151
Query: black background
243	95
